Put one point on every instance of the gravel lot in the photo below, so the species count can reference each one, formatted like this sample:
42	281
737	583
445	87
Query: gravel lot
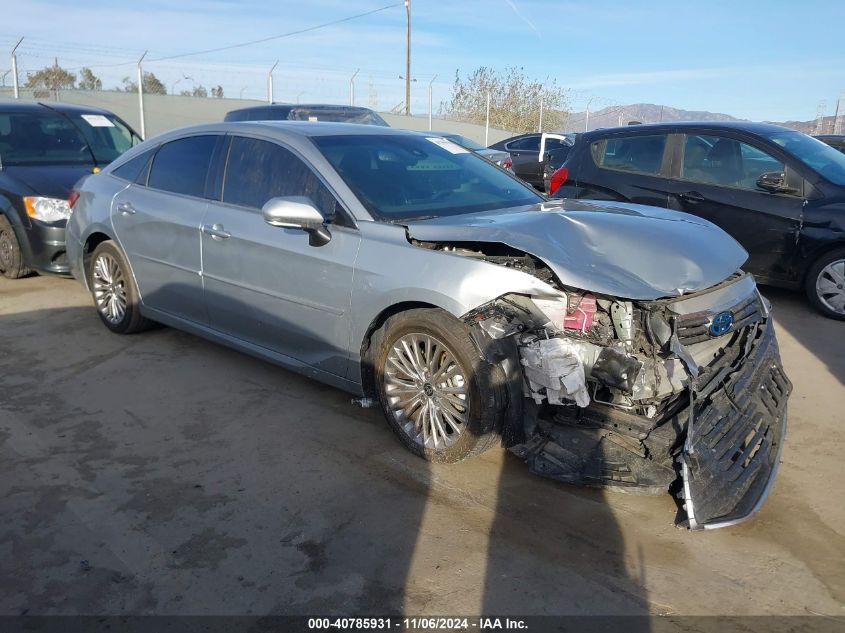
161	473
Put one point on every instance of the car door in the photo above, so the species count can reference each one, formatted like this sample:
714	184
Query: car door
157	220
716	179
266	285
524	152
631	167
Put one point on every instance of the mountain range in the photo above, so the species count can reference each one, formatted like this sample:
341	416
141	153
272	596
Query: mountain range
652	113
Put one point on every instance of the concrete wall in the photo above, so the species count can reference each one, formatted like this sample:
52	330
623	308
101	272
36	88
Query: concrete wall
165	112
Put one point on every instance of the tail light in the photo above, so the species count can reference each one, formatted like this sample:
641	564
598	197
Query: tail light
507	163
72	198
558	178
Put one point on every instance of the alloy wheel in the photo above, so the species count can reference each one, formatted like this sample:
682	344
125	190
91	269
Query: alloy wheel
426	390
6	251
109	288
830	286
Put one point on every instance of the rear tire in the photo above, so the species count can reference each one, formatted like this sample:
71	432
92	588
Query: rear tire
443	401
825	284
11	258
114	291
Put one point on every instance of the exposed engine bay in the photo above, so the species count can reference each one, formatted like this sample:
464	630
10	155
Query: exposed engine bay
684	394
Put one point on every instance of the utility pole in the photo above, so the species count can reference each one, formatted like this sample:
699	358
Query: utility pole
408	58
429	101
270	83
487	123
141	96
352	87
15	69
540	126
839	121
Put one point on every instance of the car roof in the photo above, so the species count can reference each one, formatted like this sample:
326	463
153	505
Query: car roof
303	106
743	126
301	129
37	106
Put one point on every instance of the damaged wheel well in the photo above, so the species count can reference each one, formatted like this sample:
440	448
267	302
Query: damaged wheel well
367	374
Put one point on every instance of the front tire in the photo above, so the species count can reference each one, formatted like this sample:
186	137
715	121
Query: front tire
825	284
114	291
11	258
443	401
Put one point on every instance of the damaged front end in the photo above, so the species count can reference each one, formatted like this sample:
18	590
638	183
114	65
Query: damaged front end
683	394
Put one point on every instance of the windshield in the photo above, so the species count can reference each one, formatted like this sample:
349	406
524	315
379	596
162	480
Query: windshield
400	177
365	117
45	138
826	160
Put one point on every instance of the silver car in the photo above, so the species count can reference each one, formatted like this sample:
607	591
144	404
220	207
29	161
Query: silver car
606	344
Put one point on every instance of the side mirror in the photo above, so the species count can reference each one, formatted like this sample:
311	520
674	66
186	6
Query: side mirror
773	182
297	212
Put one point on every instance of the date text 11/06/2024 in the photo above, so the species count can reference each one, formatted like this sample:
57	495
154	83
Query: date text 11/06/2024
422	623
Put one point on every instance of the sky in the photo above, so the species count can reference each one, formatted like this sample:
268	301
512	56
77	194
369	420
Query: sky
770	60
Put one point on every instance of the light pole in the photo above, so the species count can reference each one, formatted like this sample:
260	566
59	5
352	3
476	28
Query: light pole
408	58
270	83
487	123
302	92
429	101
141	95
4	77
352	87
15	69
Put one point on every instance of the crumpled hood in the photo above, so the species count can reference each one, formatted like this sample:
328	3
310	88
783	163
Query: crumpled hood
623	250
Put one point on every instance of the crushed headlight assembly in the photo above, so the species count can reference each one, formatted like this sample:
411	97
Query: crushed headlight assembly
47	209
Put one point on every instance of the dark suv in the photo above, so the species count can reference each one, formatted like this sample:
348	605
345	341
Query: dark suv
778	192
44	150
309	112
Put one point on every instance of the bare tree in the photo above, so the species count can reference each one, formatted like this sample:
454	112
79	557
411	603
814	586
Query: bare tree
49	79
89	81
199	91
515	100
152	85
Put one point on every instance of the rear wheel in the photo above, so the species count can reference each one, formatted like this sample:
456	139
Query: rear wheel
825	284
114	290
442	400
11	258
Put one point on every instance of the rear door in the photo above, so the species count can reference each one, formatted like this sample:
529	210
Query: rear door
716	179
524	152
266	285
157	224
626	167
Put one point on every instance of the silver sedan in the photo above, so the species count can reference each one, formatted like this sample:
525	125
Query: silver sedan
605	344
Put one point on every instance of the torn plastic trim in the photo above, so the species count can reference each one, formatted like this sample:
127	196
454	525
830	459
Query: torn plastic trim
689	505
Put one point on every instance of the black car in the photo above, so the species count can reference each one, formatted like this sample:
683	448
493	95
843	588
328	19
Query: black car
778	192
45	148
834	140
525	155
307	112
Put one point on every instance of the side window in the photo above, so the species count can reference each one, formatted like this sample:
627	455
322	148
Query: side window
641	153
133	169
260	170
181	166
719	160
530	144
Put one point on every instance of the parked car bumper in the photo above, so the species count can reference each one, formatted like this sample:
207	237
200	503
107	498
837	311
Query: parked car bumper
45	249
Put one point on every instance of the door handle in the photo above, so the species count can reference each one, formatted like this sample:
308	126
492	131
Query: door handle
691	196
126	208
216	232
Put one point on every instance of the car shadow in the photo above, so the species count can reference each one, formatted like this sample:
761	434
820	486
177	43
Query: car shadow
818	334
162	474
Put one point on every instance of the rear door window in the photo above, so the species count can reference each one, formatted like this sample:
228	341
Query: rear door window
726	162
181	166
258	171
529	144
641	153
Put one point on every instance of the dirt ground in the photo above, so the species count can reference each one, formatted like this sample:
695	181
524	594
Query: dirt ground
160	473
